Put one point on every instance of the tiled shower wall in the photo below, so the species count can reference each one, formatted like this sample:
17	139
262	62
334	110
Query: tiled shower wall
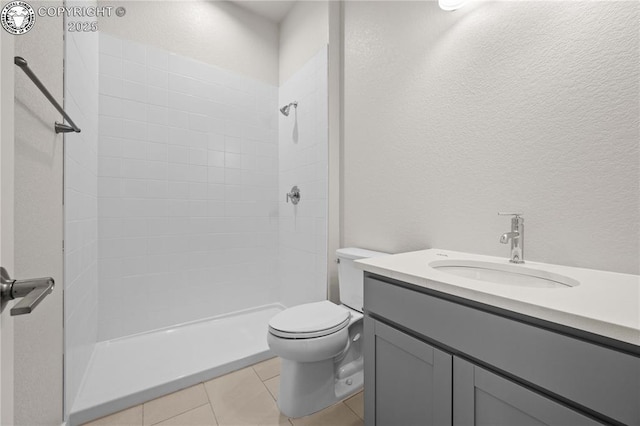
188	190
303	161
81	207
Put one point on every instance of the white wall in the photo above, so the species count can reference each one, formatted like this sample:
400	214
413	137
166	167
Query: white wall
303	32
39	223
303	161
516	106
216	32
187	189
81	206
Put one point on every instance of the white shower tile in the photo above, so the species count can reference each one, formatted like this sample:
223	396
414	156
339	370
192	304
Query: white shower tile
111	86
198	173
198	157
108	187
233	128
157	58
134	52
178	172
157	114
110	45
133	188
178	154
110	167
156	189
134	91
197	139
156	133
110	106
178	190
177	118
156	170
198	191
181	84
111	66
215	141
132	110
233	161
232	144
133	169
199	122
110	126
248	162
216	158
157	96
134	71
156	151
180	65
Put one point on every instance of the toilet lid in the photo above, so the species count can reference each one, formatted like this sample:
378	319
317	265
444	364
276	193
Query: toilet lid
309	320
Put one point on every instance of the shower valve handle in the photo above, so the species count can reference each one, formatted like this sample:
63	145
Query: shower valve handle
294	195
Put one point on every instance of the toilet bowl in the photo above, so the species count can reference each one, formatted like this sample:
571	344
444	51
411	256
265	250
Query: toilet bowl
320	344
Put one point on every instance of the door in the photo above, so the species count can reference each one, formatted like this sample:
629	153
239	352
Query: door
6	222
31	160
484	398
407	381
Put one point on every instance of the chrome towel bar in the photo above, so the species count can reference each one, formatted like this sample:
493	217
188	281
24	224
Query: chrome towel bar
59	127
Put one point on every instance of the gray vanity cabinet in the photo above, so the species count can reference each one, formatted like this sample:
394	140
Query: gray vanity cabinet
412	380
482	398
434	359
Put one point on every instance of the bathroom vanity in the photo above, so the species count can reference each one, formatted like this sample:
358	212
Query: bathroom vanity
448	350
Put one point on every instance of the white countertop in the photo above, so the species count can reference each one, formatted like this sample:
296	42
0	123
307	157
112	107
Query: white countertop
605	303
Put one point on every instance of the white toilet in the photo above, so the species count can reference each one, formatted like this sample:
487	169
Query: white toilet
320	344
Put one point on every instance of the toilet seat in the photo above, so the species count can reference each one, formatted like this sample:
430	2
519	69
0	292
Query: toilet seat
309	320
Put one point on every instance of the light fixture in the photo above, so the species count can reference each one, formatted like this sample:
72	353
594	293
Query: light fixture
450	5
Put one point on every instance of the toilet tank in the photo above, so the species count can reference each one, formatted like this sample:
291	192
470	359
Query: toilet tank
350	278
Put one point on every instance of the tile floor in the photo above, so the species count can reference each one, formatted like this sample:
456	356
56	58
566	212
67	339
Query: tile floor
244	397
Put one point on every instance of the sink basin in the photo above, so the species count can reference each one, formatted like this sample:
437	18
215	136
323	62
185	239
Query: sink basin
508	274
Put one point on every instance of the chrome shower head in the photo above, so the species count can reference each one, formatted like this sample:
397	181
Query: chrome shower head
285	109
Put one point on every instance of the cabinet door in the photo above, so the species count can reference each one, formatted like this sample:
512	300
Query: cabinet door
407	382
484	398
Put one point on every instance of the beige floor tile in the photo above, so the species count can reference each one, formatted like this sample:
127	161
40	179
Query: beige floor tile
268	369
240	398
173	404
129	417
336	415
356	403
273	385
201	416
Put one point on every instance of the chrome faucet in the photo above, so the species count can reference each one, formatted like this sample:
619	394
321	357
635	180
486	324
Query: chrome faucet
516	236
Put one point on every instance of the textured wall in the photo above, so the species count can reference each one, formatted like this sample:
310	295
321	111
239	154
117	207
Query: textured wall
303	159
81	206
303	32
187	189
529	106
38	222
216	32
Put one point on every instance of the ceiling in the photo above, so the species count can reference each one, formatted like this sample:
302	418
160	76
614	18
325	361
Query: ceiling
274	10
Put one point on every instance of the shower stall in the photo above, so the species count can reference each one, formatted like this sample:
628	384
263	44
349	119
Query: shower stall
179	241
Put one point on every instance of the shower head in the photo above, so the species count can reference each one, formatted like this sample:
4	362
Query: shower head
285	109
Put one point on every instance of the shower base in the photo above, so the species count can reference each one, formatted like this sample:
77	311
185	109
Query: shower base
129	371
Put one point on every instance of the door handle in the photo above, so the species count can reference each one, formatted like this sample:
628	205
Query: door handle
32	291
